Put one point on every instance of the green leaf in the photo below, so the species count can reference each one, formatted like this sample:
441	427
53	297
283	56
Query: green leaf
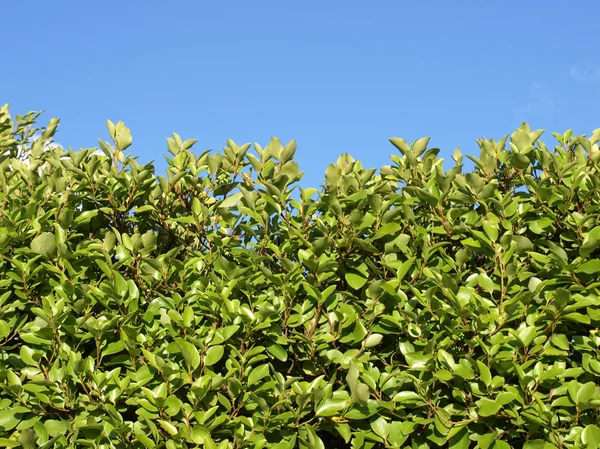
355	280
443	375
460	440
344	430
464	370
373	340
122	136
85	216
5	329
362	411
405	267
527	334
352	376
55	427
231	200
333	174
149	240
169	427
190	353
29	356
387	229
44	244
258	373
321	245
447	358
8	420
560	341
28	439
122	288
586	392
537	444
589	267
523	244
406	396
591	436
487	407
330	407
520	160
188	317
362	393
577	317
485	282
417	360
173	405
380	427
213	355
484	373
113	348
277	351
491	230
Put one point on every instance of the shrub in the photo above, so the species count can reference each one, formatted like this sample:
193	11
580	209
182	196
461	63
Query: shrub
223	306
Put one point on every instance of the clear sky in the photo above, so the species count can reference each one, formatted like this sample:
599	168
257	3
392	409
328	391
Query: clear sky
337	76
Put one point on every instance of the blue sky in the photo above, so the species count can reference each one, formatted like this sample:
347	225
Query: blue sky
336	76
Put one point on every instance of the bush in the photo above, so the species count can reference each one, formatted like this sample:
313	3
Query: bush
222	306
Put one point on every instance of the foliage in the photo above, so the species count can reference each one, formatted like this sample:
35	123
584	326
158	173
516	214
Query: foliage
222	306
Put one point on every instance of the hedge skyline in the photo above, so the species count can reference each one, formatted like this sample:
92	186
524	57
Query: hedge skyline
402	307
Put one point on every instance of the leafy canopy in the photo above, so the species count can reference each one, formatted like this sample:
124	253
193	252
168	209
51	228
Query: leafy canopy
222	306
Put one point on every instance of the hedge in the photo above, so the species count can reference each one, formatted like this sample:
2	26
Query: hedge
223	306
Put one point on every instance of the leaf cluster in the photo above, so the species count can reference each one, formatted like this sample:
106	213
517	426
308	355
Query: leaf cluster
223	306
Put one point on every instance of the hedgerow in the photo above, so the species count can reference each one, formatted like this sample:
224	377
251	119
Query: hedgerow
223	306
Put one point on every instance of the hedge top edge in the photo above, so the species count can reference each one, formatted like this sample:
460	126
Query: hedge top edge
223	306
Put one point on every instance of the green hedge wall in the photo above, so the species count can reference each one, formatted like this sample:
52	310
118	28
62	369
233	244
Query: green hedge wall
222	306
